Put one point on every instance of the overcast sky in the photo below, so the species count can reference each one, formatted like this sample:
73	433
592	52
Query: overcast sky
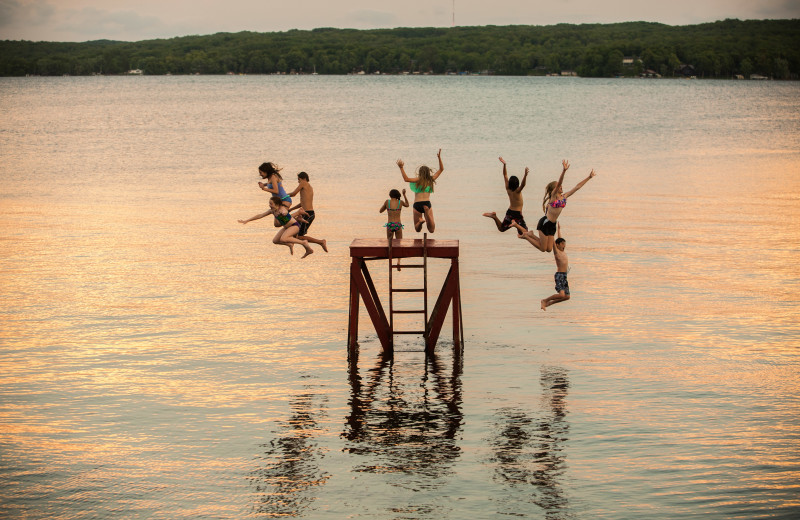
134	20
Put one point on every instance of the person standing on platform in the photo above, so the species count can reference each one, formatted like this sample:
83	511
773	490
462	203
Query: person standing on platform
393	207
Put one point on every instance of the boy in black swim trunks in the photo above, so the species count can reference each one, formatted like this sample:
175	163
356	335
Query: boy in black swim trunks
307	206
562	267
514	213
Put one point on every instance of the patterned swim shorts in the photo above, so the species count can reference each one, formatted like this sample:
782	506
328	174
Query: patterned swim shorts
561	282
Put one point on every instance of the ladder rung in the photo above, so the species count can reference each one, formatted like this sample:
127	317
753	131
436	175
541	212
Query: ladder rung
408	290
408	266
409	312
408	332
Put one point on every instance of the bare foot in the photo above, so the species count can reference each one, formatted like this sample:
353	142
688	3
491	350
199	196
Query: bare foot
308	252
491	214
325	245
544	305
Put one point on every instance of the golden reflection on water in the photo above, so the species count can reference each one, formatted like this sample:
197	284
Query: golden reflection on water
152	347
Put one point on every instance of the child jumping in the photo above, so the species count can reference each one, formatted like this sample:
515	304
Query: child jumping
307	204
287	222
514	212
562	267
422	186
553	204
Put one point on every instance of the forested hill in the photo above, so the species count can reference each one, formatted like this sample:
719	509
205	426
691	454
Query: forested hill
713	50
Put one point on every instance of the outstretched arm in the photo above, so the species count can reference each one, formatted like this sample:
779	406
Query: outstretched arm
580	184
256	217
505	171
441	166
524	180
564	168
406	178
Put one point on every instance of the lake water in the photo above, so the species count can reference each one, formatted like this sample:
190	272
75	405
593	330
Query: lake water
160	360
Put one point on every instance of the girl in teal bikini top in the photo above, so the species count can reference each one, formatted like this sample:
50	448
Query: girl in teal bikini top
417	189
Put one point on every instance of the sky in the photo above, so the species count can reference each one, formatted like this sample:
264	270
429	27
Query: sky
135	20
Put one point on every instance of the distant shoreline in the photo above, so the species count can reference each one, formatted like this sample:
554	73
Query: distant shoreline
754	49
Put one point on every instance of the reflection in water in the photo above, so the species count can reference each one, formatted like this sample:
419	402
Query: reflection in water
291	477
529	451
407	429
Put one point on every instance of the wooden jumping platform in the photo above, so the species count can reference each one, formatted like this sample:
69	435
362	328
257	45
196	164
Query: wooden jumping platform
363	289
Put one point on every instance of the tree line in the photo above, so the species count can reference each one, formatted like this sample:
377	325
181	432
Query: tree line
712	50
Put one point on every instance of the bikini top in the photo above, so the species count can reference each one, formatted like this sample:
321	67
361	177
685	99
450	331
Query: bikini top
283	219
559	203
417	189
389	205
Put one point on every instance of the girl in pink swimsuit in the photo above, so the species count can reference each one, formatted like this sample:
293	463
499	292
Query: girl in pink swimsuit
553	203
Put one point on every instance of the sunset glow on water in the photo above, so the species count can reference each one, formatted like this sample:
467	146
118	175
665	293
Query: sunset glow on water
160	360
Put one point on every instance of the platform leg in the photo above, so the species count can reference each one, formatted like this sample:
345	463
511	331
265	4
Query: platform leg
359	276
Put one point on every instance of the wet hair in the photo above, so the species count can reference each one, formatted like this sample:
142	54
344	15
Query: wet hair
302	175
395	194
548	193
270	169
560	241
513	183
425	179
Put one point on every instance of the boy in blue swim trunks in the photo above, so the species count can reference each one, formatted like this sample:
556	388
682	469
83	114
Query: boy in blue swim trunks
562	267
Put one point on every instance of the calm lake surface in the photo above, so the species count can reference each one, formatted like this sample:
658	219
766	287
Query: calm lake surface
160	360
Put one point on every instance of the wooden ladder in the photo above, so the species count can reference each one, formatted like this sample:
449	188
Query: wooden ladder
423	290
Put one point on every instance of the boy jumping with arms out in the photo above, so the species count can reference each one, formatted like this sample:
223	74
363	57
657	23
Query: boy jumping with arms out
393	207
562	267
307	205
514	213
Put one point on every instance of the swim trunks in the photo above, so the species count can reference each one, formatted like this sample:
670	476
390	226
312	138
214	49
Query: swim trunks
309	216
561	282
547	227
513	214
420	206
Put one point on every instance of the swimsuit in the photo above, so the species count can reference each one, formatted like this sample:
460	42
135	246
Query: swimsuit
393	226
561	282
513	215
283	219
281	193
309	216
547	227
417	189
421	205
559	203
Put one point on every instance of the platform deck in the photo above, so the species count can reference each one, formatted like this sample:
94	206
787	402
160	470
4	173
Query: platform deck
402	248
